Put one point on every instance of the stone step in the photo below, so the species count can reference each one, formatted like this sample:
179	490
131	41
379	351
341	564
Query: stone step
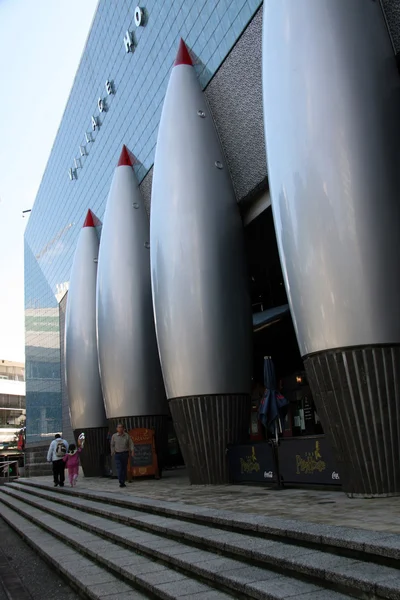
84	575
369	545
354	576
237	576
132	575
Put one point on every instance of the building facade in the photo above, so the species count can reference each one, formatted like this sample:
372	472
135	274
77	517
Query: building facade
12	402
117	99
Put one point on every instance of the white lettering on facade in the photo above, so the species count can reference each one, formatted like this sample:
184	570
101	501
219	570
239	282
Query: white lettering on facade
128	42
139	16
109	87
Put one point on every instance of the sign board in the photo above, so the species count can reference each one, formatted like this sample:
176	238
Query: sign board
252	463
144	463
307	460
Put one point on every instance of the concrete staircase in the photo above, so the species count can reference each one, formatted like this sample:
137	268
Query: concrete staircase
111	545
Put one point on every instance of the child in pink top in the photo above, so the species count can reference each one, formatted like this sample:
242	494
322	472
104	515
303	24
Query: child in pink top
71	460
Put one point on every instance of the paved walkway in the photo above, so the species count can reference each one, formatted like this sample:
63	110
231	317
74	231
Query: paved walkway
329	507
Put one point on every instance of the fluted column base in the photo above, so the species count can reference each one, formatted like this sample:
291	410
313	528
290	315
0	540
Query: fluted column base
158	423
357	395
93	456
204	426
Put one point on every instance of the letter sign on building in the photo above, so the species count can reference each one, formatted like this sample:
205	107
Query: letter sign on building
139	16
109	87
128	42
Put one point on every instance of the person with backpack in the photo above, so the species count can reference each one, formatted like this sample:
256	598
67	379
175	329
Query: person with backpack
57	450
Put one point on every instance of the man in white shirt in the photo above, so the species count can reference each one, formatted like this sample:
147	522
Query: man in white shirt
57	450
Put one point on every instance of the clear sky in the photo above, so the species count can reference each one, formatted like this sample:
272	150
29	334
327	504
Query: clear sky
41	42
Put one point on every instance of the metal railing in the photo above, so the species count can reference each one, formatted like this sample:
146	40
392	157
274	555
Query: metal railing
6	465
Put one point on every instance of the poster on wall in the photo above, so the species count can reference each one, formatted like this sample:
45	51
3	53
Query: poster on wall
252	462
307	460
144	463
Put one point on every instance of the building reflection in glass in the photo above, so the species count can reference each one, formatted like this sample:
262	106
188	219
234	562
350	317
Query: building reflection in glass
42	354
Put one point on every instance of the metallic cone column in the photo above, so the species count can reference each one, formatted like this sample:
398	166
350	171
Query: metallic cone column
199	281
332	122
129	364
81	360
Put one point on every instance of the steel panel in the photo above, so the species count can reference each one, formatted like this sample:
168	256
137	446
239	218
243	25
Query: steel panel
199	277
331	98
81	361
128	356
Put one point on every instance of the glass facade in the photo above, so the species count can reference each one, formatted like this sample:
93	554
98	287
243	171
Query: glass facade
86	150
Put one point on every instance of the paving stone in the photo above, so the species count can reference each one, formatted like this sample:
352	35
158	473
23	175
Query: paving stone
323	595
60	550
175	549
387	546
97	578
390	588
133	570
127	596
159	577
364	576
156	544
134	559
72	565
281	587
240	579
320	563
214	566
111	557
196	556
211	595
177	589
106	589
252	547
81	536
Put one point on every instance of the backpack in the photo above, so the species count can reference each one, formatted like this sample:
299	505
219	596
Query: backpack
61	450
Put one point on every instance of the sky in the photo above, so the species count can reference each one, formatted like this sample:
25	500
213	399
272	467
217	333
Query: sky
41	43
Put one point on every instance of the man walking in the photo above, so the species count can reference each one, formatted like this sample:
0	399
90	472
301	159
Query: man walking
121	447
57	450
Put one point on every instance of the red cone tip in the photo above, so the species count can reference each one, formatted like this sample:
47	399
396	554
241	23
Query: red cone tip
183	56
89	221
126	158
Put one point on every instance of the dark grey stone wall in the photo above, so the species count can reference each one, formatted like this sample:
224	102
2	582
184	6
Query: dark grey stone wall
36	459
392	11
235	98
